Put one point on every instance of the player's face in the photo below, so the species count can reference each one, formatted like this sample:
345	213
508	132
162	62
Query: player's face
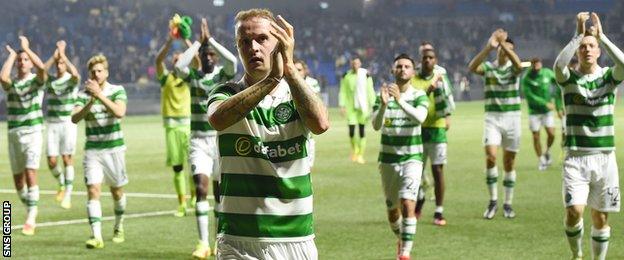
429	60
403	70
24	64
301	69
589	51
99	73
61	67
356	64
212	57
536	65
255	45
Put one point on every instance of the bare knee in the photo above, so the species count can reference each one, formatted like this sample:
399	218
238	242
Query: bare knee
67	160
94	191
573	215
117	192
599	219
52	162
394	215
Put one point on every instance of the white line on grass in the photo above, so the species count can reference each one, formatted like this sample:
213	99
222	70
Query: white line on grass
105	194
84	220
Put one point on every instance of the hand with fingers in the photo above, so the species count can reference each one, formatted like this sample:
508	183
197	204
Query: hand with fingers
596	27
10	50
205	32
581	18
501	36
284	32
394	91
385	95
93	88
493	41
24	43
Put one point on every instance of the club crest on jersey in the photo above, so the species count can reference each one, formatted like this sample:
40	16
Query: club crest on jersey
283	112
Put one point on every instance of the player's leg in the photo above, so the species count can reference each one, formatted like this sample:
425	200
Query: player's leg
202	161
68	150
53	151
390	183
216	191
424	183
492	138
362	142
604	197
438	180
550	140
94	177
509	159
94	208
32	149
114	165
354	143
69	180
600	234
575	194
174	150
534	126
410	181
202	209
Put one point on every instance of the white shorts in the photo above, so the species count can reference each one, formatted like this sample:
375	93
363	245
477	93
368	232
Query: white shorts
252	250
400	181
61	138
204	157
503	130
105	165
436	152
592	180
546	120
311	151
25	150
563	123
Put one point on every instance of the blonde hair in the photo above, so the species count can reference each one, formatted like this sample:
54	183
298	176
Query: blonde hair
97	59
252	13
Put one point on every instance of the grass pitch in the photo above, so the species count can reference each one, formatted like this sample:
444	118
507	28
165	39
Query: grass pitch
350	218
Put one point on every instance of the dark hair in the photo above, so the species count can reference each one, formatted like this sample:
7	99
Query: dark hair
19	51
509	40
427	43
536	60
404	56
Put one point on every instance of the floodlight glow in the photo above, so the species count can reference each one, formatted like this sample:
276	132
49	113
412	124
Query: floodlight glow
218	2
324	5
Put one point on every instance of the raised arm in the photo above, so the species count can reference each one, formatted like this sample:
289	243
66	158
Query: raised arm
185	59
226	111
309	106
60	45
48	64
42	74
160	58
5	73
379	109
507	49
562	72
613	51
475	64
229	59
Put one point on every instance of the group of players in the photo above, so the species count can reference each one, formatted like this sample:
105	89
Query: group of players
252	138
413	114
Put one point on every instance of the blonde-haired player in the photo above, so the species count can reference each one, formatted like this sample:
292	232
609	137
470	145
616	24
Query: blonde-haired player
102	105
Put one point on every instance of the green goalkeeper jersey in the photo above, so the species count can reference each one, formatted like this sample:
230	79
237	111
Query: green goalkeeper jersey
536	87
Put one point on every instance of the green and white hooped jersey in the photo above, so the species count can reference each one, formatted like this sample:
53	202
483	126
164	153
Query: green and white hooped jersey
103	129
589	103
200	90
502	90
401	139
266	191
62	94
24	101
